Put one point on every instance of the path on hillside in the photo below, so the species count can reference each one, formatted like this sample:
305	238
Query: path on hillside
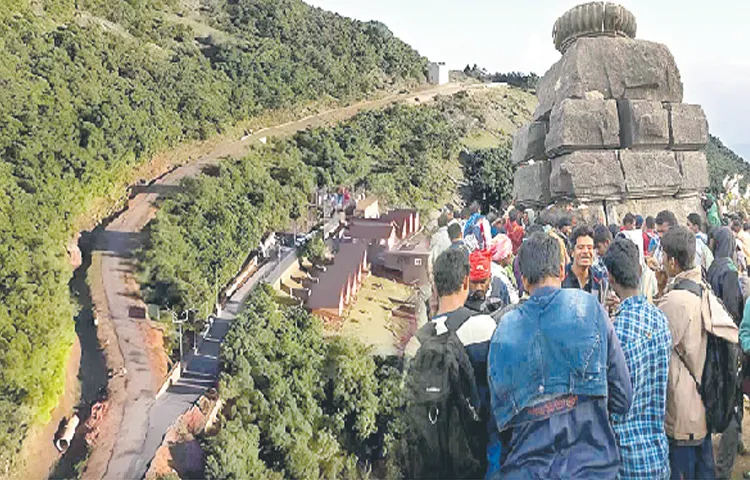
142	419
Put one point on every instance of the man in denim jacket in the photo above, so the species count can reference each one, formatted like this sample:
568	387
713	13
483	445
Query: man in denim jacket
556	372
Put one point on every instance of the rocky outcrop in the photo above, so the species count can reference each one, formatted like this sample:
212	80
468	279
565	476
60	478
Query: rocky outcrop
583	125
688	128
617	68
528	143
589	175
643	123
531	184
610	125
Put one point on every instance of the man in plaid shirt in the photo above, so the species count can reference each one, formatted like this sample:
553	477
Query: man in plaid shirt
643	331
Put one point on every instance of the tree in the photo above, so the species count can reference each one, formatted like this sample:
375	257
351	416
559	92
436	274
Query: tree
489	173
314	250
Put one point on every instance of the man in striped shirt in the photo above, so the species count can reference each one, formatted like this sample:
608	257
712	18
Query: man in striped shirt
643	331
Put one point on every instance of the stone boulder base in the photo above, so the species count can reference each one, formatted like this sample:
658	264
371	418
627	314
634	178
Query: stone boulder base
650	173
528	143
531	184
583	125
694	170
688	127
681	207
643	123
587	175
618	68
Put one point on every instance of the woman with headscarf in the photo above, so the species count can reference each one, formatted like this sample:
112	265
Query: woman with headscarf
724	281
722	274
501	248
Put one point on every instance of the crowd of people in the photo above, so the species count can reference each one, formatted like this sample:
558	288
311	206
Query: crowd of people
588	345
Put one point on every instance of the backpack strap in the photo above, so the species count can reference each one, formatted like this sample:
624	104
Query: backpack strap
696	289
457	318
691	286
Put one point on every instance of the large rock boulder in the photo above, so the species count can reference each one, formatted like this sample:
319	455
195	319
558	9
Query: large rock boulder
688	127
643	123
583	125
694	171
587	175
681	207
650	173
618	68
528	143
531	184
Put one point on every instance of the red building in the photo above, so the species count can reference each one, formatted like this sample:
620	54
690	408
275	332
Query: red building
338	285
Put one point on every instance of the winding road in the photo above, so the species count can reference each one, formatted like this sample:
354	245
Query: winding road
145	418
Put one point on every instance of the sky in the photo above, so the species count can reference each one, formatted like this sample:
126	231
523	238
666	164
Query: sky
710	43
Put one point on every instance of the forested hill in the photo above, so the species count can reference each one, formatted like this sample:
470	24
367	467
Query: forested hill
91	89
723	162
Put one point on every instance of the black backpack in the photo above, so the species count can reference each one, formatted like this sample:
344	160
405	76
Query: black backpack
721	384
445	432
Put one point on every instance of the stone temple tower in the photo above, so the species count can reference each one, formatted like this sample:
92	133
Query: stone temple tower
610	131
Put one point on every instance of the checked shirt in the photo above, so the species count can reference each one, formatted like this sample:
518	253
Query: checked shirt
643	331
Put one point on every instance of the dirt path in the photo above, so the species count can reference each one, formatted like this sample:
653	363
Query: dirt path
127	426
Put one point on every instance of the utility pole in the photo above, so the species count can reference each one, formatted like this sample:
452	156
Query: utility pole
179	323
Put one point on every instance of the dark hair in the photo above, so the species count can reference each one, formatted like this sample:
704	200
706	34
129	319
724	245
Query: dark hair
475	207
578	232
443	220
679	243
454	231
746	226
695	219
539	258
563	221
650	223
491	217
638	221
736	225
613	229
532	229
628	219
450	270
602	235
665	216
622	262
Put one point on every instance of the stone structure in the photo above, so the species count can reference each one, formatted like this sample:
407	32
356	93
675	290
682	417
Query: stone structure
610	130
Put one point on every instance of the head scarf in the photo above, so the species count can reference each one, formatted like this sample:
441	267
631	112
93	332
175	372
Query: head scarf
501	247
724	243
479	261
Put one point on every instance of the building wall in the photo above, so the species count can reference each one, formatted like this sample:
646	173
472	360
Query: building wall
437	73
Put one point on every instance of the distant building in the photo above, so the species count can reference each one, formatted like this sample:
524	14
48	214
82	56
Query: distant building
437	73
410	258
406	221
367	208
338	285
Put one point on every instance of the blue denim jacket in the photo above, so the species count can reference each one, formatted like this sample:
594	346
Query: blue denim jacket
557	343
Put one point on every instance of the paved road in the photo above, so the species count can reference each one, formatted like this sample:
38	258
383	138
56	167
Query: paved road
145	420
131	458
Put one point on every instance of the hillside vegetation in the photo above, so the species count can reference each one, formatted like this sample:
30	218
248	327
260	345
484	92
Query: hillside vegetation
407	156
92	89
723	162
299	406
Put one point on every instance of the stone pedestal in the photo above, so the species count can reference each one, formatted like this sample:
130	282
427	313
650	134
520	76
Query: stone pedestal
610	126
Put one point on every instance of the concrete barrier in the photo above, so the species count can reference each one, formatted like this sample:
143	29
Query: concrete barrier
173	376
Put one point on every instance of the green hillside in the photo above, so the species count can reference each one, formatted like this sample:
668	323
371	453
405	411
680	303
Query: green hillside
91	89
723	162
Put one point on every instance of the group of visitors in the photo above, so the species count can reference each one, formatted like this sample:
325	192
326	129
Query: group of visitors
588	345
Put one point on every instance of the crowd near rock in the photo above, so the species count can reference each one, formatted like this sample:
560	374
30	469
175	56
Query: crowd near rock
588	350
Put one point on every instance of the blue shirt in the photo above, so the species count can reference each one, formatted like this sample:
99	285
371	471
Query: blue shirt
643	331
556	372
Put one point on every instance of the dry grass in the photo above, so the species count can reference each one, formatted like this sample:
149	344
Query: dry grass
369	319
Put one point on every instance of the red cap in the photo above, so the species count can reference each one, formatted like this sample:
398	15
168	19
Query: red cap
479	261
